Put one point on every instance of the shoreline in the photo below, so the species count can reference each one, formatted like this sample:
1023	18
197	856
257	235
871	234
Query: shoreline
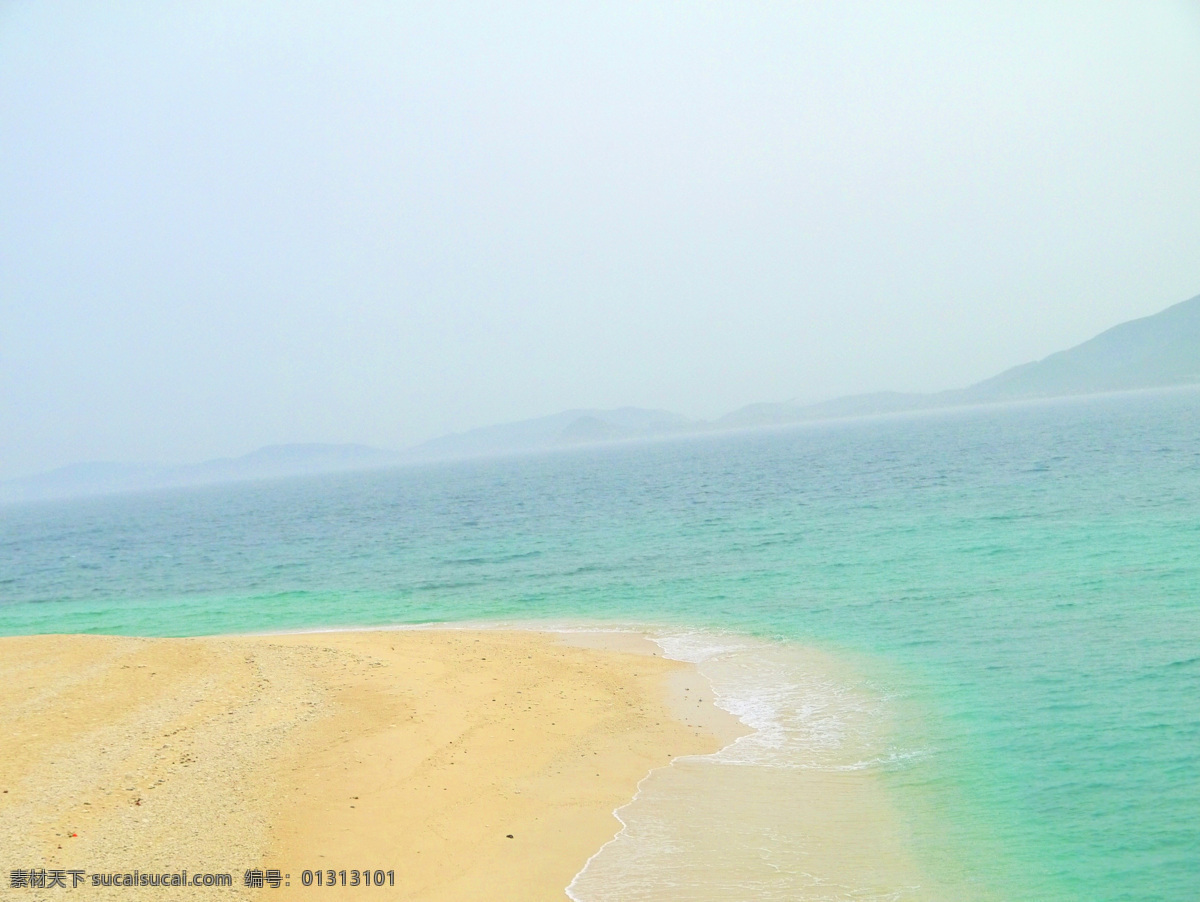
474	762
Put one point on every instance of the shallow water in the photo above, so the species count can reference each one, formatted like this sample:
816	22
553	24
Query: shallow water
1009	597
794	809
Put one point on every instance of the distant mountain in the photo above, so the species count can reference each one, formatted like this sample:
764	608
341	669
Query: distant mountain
271	462
93	478
571	427
776	414
288	460
1157	351
1154	352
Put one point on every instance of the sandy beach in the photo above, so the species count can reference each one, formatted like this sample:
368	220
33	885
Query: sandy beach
469	764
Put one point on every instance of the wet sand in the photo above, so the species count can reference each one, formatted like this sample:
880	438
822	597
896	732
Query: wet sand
471	764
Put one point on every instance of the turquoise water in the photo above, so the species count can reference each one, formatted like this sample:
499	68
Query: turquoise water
1020	585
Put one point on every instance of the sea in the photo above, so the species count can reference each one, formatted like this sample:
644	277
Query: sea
965	644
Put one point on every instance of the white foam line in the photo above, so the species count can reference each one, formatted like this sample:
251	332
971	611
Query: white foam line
657	640
697	647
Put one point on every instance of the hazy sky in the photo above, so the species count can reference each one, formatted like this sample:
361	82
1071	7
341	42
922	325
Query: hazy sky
228	225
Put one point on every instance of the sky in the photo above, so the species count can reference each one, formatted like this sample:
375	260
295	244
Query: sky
230	225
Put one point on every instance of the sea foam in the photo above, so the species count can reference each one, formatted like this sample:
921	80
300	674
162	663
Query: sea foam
791	810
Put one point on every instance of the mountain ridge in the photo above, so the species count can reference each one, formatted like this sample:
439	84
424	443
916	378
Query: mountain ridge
1156	351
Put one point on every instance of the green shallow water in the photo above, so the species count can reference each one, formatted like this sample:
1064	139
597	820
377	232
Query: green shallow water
1020	587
